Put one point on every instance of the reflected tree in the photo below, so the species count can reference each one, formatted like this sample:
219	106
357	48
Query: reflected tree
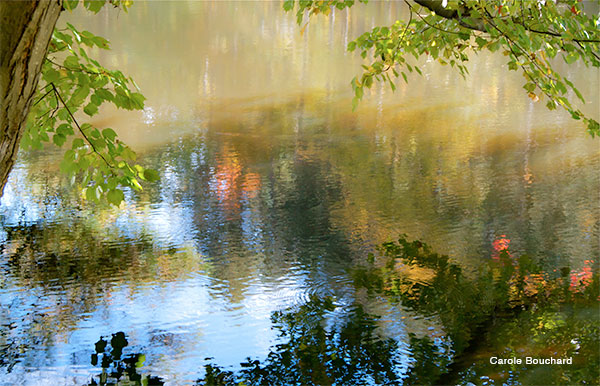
511	308
63	268
348	352
481	314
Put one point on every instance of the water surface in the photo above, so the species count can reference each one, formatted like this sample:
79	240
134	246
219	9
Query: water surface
272	189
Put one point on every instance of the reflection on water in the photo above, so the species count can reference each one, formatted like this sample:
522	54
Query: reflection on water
271	189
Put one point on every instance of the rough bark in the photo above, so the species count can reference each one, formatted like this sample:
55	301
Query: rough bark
25	31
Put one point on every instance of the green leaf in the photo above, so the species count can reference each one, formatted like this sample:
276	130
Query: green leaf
578	94
128	154
561	87
71	62
109	134
91	193
64	129
593	127
101	42
63	114
104	94
494	46
77	143
94	5
51	75
464	35
151	175
59	139
529	87
79	95
359	92
70	4
135	184
44	136
115	196
90	109
95	99
480	41
68	165
571	57
140	361
138	100
61	37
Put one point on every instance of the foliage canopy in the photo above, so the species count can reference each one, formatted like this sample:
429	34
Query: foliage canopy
71	81
530	33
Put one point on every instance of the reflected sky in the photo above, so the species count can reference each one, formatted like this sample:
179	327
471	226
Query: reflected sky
271	188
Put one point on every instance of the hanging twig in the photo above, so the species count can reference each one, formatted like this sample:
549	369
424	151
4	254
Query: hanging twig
79	127
43	96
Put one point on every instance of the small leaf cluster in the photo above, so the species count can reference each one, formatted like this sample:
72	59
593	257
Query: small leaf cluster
72	82
533	36
96	5
393	47
312	7
530	33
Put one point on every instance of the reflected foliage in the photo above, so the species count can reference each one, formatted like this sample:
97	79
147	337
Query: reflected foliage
46	252
506	295
118	367
347	351
559	332
64	269
510	308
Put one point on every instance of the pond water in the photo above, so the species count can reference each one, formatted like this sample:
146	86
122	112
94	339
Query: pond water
272	189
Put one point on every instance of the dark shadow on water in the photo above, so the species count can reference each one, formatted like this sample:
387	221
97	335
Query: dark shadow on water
509	309
313	352
348	353
117	366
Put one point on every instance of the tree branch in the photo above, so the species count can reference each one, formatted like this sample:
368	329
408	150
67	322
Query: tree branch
437	6
426	22
43	96
79	127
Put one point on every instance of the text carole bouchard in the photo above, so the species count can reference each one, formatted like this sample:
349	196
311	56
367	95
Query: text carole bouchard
531	361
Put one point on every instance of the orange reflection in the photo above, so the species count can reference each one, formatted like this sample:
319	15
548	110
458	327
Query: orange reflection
501	246
251	185
226	176
231	183
582	278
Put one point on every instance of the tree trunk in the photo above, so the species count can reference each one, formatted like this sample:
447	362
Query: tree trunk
25	31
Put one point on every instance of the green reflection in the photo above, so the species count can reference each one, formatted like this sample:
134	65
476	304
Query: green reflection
511	307
348	353
60	273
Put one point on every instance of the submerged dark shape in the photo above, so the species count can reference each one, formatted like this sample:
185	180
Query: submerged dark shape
115	365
